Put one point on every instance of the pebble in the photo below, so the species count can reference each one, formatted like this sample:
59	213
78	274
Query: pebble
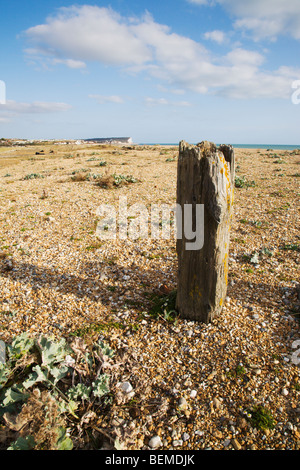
182	404
289	426
217	403
155	442
177	443
235	443
126	387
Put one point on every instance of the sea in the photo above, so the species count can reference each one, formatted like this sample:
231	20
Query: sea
242	146
266	147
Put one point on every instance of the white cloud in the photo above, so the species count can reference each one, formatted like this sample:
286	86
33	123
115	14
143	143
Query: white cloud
12	108
87	33
216	35
202	2
71	63
156	101
101	99
241	57
174	91
264	18
165	102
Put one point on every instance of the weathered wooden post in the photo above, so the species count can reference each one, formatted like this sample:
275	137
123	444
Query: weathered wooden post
205	177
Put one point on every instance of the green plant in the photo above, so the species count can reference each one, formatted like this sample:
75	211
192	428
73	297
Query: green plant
164	307
290	246
241	182
98	328
108	181
261	418
119	179
33	176
38	388
240	370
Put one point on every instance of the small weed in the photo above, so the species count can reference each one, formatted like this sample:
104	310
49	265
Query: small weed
69	156
267	252
240	370
241	182
94	247
274	155
44	195
164	307
32	176
80	176
112	288
106	182
261	418
291	247
109	181
238	373
120	179
97	328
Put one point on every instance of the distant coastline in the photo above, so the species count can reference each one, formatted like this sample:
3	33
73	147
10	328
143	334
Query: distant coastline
130	141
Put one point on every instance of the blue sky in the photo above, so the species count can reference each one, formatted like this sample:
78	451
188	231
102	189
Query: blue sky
157	71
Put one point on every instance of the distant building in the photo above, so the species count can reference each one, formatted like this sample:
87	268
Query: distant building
110	140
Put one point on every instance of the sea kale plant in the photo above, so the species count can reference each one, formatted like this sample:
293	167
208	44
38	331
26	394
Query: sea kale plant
46	384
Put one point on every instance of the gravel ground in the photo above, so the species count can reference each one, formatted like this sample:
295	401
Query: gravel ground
190	386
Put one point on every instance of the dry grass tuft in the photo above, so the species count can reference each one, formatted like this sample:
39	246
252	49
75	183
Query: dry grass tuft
80	177
107	181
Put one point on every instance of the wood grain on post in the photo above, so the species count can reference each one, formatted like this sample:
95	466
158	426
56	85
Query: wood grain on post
205	177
